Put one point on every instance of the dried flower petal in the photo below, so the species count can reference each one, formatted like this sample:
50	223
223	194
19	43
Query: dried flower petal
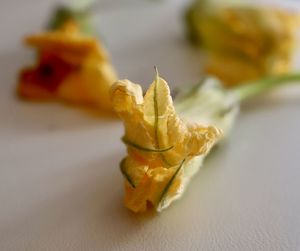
160	145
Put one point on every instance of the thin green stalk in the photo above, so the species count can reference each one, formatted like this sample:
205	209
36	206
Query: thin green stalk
166	189
156	120
156	109
145	149
254	88
125	174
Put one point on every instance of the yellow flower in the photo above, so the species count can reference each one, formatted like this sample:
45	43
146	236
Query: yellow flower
243	43
160	145
70	66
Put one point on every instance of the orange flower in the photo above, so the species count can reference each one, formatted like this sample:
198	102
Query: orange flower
70	67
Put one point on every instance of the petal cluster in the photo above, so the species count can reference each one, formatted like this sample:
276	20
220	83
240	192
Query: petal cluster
159	143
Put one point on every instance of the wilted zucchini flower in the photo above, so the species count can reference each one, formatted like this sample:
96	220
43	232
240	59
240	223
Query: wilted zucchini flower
167	143
242	42
70	66
162	148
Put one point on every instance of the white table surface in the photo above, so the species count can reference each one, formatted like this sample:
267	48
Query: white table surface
60	186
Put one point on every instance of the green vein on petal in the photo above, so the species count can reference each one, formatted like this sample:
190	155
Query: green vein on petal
125	174
156	117
166	189
156	109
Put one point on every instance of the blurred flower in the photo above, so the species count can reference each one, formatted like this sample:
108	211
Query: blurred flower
70	66
242	42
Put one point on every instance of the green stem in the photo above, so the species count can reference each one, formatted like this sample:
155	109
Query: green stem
260	86
145	149
166	189
124	172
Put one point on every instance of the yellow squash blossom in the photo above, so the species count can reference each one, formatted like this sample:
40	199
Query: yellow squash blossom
162	148
165	151
243	43
70	67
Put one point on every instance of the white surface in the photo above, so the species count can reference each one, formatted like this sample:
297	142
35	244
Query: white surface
60	186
